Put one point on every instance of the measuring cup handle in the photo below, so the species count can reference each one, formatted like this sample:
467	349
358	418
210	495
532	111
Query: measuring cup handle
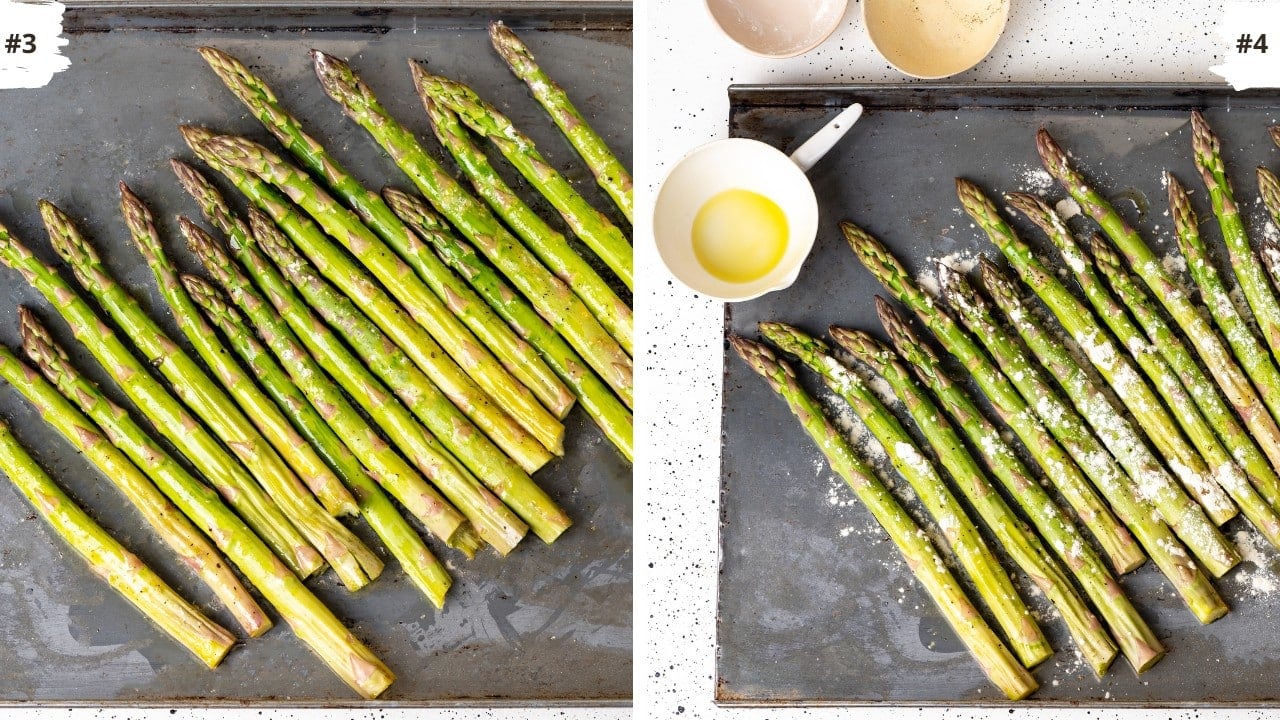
813	149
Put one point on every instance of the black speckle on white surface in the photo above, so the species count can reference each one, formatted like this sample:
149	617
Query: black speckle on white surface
685	71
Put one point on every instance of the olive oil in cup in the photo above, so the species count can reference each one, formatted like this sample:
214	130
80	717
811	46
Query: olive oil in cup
739	235
736	218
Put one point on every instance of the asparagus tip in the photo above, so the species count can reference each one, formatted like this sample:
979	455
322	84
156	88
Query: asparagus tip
757	355
857	342
327	66
1269	188
975	201
195	136
997	282
416	69
1051	154
888	315
1184	218
37	341
1027	204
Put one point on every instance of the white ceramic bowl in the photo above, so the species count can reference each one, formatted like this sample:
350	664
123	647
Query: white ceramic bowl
736	163
933	39
778	28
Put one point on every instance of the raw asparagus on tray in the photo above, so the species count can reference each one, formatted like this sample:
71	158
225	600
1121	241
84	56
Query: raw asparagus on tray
1111	395
346	357
922	557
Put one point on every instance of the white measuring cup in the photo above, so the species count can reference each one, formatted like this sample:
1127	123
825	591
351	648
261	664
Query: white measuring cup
738	163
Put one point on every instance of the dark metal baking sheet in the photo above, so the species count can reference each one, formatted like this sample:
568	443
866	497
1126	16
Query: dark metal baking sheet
814	606
548	625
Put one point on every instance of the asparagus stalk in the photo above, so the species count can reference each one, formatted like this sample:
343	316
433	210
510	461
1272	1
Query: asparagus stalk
387	467
400	478
1252	355
1114	539
609	172
594	395
426	572
1136	640
1226	471
464	392
109	560
1155	336
511	414
1004	671
589	224
458	436
354	563
553	299
165	519
494	523
459	303
959	531
1115	366
545	242
1269	191
1269	251
311	621
1248	270
271	422
1153	485
1195	326
164	411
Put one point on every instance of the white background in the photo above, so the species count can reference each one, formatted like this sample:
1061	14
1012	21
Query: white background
687	67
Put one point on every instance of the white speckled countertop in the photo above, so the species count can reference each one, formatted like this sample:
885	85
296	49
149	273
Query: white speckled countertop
688	66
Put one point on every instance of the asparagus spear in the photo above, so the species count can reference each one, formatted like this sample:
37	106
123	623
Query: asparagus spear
1114	539
385	464
610	173
1195	326
512	414
409	335
1249	351
959	531
354	563
1269	191
1004	671
1135	638
422	567
271	422
1269	251
516	356
1248	270
589	224
1175	364
311	621
545	242
458	436
1153	485
553	299
165	519
1115	366
594	395
109	560
1203	429
164	411
496	524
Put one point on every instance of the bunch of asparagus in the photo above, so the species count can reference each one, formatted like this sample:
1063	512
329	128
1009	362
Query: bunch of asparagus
378	363
1155	418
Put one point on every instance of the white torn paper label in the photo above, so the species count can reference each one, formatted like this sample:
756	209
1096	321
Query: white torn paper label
31	43
1251	33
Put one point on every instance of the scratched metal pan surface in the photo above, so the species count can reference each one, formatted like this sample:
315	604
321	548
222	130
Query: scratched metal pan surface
815	606
549	624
